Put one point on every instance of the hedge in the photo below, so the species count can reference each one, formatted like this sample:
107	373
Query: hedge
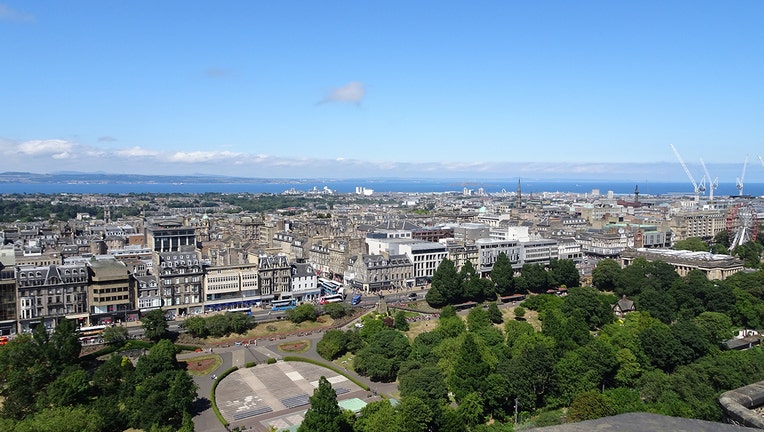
212	395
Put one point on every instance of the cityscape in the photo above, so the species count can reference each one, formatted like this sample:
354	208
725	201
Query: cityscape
108	261
393	216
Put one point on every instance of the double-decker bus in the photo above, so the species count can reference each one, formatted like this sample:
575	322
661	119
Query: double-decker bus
328	286
334	298
286	304
91	334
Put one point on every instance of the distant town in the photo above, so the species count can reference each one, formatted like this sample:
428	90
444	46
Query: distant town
108	258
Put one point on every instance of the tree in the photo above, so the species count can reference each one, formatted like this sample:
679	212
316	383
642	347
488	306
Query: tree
662	348
324	414
694	244
494	314
336	310
477	320
471	410
381	359
400	321
71	388
750	253
519	313
303	312
534	278
589	406
114	335
565	273
503	275
332	345
717	327
414	415
606	274
378	416
425	382
470	370
154	324
590	305
447	282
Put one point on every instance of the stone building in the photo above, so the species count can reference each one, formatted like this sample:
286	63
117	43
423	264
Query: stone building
715	266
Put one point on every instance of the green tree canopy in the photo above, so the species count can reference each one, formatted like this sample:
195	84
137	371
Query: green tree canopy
694	244
154	324
447	282
605	276
503	275
324	414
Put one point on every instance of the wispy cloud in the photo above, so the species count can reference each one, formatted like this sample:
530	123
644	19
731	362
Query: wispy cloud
8	14
352	92
106	138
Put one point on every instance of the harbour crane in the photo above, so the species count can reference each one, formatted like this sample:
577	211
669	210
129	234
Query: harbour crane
739	181
696	188
713	184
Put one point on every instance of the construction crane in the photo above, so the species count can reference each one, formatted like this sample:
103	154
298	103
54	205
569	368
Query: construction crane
739	181
696	188
713	184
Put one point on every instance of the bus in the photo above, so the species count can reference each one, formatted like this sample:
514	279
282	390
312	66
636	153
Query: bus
91	334
356	300
280	305
4	340
328	286
334	298
245	311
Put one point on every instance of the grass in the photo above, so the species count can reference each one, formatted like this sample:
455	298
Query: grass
275	328
345	362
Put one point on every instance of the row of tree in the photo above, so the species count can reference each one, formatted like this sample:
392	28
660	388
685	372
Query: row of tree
450	286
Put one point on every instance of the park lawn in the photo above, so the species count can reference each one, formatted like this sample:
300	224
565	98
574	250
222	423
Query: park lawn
418	327
531	316
275	328
345	362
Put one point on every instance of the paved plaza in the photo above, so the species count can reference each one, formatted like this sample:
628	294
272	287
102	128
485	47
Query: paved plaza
277	394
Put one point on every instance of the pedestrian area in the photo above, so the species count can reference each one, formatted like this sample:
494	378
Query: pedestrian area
276	394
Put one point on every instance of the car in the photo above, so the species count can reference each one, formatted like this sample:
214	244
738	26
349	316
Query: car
412	296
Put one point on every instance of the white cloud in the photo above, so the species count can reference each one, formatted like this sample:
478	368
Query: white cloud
8	14
106	138
352	92
136	152
56	148
202	156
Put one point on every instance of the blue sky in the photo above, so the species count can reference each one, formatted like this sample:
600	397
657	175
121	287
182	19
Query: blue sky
479	89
